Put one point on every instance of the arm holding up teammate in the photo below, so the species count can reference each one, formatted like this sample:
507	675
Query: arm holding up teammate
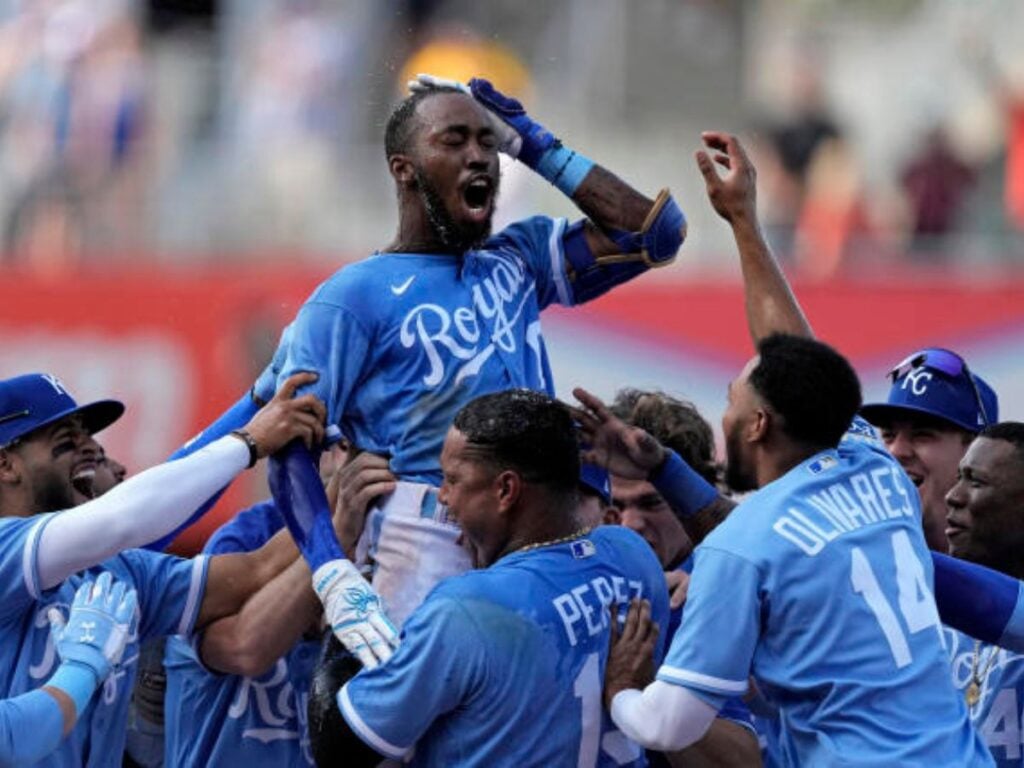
627	233
274	618
90	644
156	501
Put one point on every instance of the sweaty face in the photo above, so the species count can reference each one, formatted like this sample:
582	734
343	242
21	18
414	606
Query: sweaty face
455	155
53	460
643	510
986	506
929	453
469	491
743	402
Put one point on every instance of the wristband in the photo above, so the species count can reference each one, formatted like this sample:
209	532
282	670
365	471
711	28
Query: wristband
564	168
77	681
254	450
684	490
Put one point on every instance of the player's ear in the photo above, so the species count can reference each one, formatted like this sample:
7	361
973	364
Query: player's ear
403	170
760	424
508	486
9	472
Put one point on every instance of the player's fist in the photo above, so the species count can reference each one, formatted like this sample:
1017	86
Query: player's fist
98	626
287	417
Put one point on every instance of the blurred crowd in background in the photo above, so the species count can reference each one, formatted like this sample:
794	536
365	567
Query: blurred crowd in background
183	131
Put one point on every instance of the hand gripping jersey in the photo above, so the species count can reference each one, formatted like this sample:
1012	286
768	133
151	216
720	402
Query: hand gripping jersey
403	340
170	591
228	721
504	666
820	586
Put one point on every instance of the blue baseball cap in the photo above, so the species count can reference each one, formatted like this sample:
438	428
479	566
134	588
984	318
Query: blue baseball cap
594	477
937	382
38	399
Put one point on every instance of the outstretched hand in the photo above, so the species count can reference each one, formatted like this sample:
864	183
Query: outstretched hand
734	194
623	450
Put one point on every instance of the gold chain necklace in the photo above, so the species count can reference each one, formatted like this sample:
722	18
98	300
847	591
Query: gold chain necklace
973	692
551	542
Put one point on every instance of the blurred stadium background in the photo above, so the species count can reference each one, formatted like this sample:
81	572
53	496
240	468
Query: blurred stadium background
176	175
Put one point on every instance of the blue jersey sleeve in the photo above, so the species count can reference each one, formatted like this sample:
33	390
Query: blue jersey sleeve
248	530
538	241
328	339
170	591
19	573
713	649
436	668
31	727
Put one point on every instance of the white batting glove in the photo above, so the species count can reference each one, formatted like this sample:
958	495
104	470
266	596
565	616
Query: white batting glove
355	612
509	140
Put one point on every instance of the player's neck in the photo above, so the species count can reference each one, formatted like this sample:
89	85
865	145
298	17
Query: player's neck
548	527
416	234
781	457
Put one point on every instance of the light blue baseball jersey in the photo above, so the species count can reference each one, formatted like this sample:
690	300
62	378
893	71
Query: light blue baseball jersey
505	666
214	719
820	586
403	340
170	592
999	713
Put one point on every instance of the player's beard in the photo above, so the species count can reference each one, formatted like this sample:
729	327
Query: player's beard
52	493
738	477
457	238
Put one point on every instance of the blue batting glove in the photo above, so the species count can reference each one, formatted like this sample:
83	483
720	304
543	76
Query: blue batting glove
533	138
98	626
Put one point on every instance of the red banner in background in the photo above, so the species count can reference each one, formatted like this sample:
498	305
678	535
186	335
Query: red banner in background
178	347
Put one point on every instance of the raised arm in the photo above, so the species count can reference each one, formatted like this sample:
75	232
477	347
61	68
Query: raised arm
154	502
770	304
626	232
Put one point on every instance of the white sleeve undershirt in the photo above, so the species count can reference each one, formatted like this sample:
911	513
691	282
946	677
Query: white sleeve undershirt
140	510
662	717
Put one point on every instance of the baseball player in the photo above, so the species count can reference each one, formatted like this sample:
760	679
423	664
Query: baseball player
447	311
818	584
49	546
89	644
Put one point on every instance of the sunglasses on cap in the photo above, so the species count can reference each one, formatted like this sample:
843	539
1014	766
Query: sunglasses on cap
946	362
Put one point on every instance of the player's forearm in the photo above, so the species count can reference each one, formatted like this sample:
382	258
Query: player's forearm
696	503
610	202
33	724
725	745
268	625
136	512
663	717
234	578
770	304
980	602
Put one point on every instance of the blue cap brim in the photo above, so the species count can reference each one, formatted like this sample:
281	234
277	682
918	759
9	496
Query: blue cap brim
95	416
875	413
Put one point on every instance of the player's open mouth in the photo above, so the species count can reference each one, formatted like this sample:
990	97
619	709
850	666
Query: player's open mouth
915	478
478	195
82	475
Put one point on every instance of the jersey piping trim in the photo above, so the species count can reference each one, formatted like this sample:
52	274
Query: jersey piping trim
558	263
363	731
676	675
30	558
197	587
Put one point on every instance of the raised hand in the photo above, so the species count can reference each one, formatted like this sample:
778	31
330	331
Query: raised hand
734	194
519	135
98	626
287	417
355	612
623	450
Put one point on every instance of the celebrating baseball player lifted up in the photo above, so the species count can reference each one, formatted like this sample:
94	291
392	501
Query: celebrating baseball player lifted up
447	311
